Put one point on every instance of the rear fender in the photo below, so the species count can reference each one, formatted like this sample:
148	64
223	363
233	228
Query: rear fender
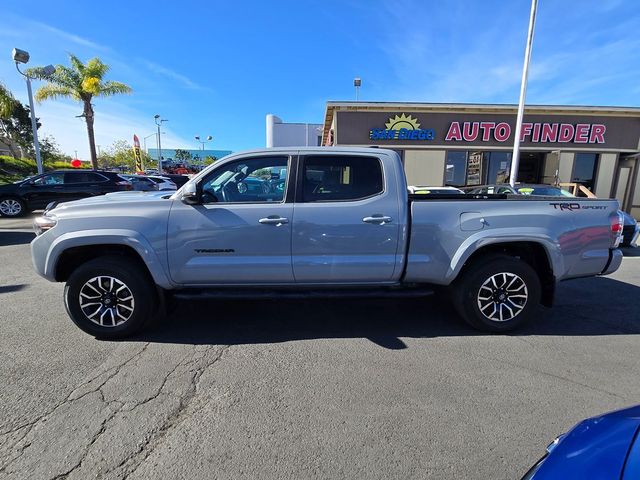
477	242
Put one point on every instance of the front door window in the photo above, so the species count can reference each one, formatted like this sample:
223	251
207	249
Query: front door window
253	180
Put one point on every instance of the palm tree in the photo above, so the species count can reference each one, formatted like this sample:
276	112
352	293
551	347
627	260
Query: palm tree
81	82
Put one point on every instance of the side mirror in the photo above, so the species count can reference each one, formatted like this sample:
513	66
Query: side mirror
189	195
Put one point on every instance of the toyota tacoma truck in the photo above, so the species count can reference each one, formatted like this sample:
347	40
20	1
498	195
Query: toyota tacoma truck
318	221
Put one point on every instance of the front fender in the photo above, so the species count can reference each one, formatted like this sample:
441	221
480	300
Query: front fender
45	263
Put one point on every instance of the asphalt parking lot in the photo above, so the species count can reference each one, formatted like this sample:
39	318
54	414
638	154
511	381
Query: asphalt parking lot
303	389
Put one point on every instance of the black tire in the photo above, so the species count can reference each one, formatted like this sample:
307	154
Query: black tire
508	304
13	207
124	272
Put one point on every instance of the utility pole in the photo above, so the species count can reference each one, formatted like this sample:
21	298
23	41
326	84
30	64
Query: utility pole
515	160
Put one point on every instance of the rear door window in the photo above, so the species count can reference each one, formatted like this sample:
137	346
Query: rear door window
83	177
341	178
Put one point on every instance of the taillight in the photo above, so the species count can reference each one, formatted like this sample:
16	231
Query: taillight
126	184
617	224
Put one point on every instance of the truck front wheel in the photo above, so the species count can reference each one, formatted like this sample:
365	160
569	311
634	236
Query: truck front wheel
497	294
109	297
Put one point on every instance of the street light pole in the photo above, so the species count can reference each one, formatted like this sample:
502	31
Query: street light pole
34	125
515	160
159	124
144	140
208	138
21	56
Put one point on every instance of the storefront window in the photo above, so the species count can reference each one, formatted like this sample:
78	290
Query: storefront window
474	168
498	167
456	168
584	169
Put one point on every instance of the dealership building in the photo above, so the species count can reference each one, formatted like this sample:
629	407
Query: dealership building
471	144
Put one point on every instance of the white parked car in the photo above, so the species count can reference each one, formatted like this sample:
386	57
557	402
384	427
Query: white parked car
163	183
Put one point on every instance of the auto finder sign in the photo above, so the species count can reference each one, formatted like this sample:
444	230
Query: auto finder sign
537	132
474	129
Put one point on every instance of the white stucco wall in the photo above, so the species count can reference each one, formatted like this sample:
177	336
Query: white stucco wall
281	134
425	167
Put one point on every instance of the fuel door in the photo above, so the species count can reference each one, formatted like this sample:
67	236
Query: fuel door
472	221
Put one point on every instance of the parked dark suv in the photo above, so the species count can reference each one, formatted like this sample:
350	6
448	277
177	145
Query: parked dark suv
58	186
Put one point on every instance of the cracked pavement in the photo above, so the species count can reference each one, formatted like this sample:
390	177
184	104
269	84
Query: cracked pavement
295	389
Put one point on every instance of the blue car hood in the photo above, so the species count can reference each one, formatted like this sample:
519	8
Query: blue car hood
595	448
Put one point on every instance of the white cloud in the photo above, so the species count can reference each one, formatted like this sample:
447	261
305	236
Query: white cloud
159	69
112	122
70	36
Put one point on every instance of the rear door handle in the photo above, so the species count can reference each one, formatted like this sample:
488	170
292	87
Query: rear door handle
273	220
377	219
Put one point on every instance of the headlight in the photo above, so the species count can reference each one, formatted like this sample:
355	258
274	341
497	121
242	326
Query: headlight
43	223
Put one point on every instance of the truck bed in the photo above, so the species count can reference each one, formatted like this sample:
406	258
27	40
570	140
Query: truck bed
445	230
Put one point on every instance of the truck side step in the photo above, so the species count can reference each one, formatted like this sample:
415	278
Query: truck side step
262	293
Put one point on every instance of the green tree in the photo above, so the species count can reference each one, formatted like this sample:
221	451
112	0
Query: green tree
50	152
81	82
15	125
120	154
6	102
182	155
208	160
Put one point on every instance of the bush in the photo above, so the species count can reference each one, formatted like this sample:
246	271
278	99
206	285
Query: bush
12	169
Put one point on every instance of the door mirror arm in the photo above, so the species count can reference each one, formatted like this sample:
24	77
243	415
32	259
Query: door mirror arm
191	195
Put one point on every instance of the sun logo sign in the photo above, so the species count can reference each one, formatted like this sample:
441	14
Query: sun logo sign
402	127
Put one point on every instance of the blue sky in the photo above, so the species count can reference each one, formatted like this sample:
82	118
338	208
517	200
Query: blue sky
217	68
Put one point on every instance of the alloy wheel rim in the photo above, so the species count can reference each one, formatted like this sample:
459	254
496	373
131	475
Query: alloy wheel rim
106	301
502	297
10	206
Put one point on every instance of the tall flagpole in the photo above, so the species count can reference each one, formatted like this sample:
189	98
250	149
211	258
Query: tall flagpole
515	161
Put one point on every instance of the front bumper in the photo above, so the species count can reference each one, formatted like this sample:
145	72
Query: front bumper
615	260
39	255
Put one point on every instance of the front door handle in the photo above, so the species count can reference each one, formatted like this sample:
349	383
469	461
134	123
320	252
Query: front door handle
377	219
273	220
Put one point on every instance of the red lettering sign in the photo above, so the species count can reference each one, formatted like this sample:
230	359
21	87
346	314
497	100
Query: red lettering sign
526	130
597	133
503	130
534	132
535	137
486	128
454	132
566	133
582	133
468	134
549	132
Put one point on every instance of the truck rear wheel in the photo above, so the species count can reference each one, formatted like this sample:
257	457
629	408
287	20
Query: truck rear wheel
109	297
497	294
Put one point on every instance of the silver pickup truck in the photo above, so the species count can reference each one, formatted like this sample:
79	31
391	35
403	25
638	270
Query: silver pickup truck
309	221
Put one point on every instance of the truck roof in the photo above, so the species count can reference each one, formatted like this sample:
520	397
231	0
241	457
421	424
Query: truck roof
302	149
